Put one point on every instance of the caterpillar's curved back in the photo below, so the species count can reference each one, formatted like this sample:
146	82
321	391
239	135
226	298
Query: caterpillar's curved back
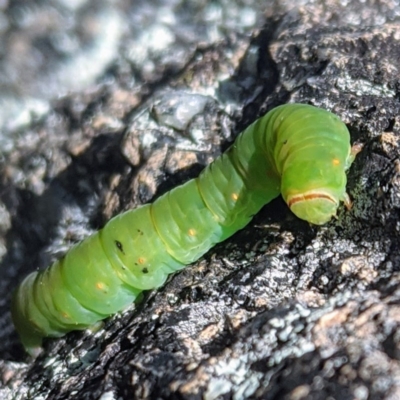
296	149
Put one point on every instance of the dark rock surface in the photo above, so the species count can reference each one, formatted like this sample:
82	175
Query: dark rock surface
107	105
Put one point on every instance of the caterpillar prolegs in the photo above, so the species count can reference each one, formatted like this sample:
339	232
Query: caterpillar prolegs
297	150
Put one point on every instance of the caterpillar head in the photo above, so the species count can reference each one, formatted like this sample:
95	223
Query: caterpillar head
317	207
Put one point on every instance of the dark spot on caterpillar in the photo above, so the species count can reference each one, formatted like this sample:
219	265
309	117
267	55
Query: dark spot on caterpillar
285	142
140	232
119	246
145	270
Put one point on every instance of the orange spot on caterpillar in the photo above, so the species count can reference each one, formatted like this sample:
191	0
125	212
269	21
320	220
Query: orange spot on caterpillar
192	232
141	260
234	196
336	162
100	285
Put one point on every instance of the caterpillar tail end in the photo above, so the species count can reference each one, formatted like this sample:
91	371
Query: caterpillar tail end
30	338
32	344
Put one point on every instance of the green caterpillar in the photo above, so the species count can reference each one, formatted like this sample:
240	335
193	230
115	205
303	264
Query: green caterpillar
297	150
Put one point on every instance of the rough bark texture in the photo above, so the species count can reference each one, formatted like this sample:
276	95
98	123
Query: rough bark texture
152	92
